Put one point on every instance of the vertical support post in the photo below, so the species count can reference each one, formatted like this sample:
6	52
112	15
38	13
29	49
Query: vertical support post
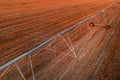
31	66
20	71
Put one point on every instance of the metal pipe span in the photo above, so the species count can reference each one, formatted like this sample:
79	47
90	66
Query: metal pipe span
50	39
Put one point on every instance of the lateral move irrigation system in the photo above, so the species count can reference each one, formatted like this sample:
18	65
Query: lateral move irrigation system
46	42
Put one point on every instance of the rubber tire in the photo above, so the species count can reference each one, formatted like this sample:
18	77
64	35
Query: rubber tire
91	25
107	26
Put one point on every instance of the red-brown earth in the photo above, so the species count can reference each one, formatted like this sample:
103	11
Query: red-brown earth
26	24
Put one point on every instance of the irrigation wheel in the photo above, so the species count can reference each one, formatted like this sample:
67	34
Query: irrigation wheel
107	26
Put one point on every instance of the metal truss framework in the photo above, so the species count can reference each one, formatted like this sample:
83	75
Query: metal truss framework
66	39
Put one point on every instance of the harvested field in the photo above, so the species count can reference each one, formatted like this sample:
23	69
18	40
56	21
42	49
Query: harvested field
81	53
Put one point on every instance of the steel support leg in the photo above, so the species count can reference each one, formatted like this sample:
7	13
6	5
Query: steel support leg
20	71
31	66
